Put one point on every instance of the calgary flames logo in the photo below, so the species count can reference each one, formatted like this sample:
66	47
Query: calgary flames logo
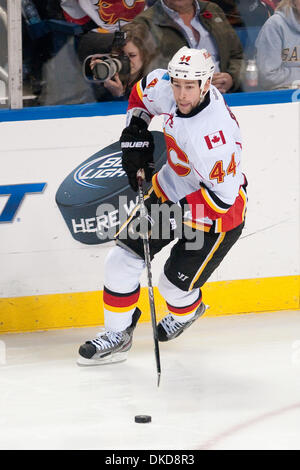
177	158
111	11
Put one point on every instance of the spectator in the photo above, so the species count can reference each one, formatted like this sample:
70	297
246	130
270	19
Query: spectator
107	17
278	48
254	13
140	49
36	50
247	13
197	24
231	11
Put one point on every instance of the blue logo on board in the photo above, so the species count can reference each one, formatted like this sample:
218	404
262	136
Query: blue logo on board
16	193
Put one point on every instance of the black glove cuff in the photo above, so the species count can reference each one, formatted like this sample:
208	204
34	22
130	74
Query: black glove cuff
139	122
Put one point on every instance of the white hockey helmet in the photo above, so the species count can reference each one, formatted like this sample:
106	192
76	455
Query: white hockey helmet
192	64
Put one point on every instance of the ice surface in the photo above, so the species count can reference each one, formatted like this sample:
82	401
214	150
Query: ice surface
230	382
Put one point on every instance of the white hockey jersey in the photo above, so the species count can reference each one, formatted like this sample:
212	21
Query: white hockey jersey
203	167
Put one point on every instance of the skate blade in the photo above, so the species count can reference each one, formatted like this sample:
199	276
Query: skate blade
112	359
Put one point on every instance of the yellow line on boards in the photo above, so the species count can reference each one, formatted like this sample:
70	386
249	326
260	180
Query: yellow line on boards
79	309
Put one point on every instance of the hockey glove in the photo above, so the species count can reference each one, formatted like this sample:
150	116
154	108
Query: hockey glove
137	147
163	220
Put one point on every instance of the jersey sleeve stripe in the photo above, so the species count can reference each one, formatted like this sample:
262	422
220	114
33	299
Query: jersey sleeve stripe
136	98
243	194
197	226
202	205
143	83
139	90
158	190
214	202
235	215
218	225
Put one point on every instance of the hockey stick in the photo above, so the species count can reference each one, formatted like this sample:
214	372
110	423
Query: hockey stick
145	235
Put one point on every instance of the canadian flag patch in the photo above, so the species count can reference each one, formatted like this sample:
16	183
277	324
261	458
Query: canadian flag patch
215	140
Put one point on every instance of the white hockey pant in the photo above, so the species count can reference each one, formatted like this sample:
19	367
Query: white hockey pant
123	270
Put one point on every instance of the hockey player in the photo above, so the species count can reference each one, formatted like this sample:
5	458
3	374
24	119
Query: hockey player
202	174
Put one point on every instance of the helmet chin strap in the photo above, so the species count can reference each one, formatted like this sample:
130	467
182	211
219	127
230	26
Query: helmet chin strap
203	93
202	96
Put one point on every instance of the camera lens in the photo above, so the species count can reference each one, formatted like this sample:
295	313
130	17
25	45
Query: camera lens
115	66
102	71
107	69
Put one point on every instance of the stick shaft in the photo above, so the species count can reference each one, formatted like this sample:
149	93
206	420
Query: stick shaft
143	212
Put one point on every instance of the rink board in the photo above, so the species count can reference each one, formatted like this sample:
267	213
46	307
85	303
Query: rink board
81	309
50	280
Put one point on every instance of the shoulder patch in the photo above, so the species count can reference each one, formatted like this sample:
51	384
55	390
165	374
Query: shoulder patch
166	76
152	83
215	140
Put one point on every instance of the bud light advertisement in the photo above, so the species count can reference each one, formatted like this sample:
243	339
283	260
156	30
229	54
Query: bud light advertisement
95	199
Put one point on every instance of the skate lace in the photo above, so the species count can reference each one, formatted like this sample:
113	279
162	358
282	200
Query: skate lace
171	325
107	340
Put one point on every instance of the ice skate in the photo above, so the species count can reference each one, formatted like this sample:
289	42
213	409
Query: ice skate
108	346
168	328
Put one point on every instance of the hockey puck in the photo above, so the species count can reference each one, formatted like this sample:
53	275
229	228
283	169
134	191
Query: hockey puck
142	419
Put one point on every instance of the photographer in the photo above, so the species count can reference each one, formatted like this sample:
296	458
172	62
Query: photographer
139	49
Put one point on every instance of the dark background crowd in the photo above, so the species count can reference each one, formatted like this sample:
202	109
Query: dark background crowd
59	36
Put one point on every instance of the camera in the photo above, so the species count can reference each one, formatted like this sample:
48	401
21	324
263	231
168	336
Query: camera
108	65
